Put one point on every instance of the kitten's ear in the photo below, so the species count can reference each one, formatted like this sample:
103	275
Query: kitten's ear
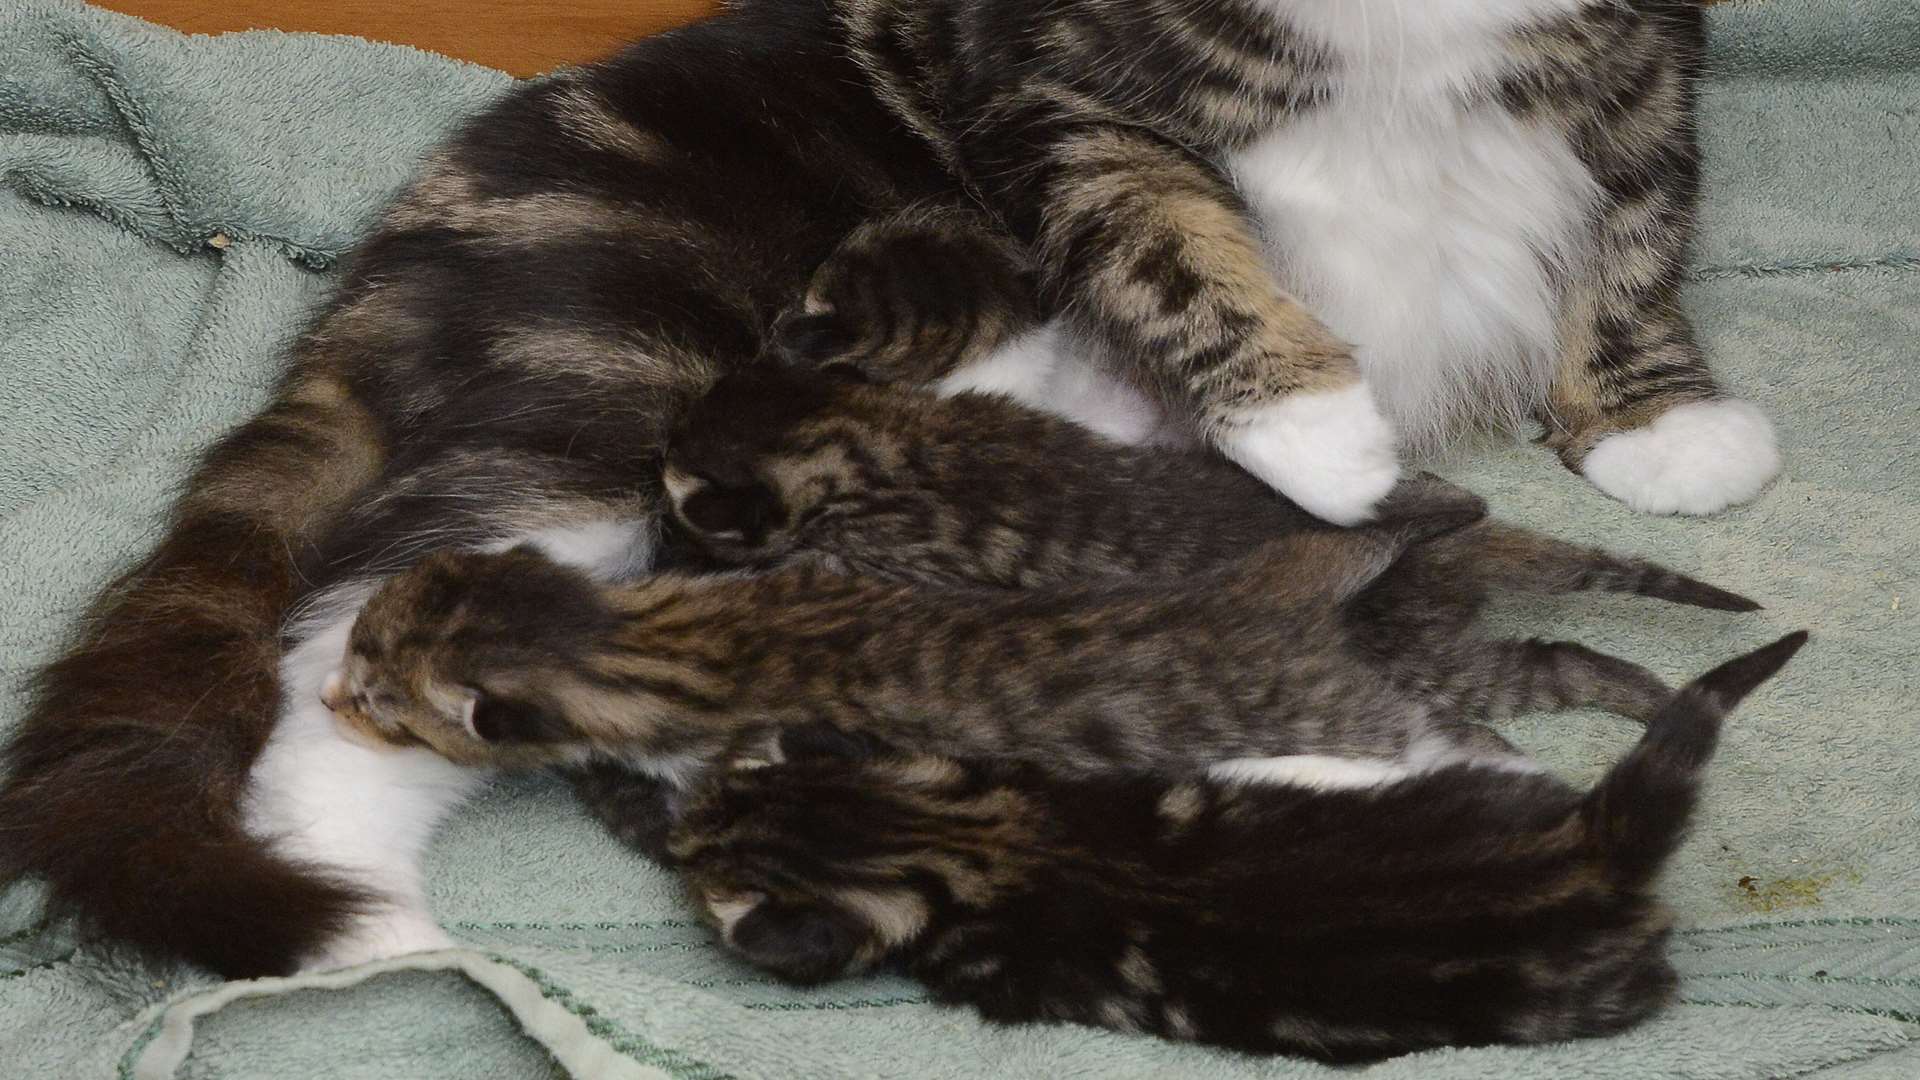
801	943
500	718
744	510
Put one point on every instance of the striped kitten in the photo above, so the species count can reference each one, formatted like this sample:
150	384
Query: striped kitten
514	659
1492	196
773	467
1275	906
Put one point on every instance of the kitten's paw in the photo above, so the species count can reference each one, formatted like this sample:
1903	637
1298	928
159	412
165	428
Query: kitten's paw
1696	458
1332	452
380	935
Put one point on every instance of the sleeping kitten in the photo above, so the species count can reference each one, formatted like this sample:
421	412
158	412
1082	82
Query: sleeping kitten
975	489
512	658
775	466
1339	910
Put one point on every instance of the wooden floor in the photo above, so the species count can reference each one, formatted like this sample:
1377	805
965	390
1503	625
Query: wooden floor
522	37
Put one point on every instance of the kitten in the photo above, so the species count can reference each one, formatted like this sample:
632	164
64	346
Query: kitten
1276	906
512	658
1215	196
774	463
774	466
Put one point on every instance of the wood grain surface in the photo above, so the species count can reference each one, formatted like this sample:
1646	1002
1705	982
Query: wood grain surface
521	37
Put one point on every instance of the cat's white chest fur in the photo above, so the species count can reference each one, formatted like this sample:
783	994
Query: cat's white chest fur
1429	232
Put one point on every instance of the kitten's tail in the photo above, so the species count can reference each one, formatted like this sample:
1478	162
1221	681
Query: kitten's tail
1639	812
1511	557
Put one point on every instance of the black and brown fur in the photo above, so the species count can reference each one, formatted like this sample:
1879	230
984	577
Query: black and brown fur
511	658
509	349
884	479
775	467
1459	906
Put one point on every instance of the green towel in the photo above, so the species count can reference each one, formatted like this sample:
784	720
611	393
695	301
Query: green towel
174	206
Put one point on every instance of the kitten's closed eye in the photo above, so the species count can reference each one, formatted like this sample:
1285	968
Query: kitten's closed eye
802	943
495	718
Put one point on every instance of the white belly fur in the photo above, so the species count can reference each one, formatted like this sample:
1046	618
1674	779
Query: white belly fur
1431	236
1433	242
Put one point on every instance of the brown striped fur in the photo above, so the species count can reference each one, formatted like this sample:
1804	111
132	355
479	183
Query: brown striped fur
508	350
1457	906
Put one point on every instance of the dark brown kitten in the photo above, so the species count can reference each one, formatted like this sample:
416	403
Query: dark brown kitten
1289	908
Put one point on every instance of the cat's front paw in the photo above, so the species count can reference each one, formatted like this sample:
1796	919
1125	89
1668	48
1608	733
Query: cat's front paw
1697	458
1330	451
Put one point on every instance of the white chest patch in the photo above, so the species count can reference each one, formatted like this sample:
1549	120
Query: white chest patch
1428	233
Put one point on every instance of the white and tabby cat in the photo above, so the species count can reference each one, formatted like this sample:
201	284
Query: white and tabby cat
1305	224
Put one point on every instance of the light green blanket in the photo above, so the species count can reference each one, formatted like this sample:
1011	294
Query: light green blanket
129	337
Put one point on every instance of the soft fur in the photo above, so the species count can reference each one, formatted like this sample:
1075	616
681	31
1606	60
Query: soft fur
508	350
1449	905
1301	646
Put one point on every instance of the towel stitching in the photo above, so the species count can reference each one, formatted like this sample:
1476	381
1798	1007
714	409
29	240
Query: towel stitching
166	179
1896	260
677	1062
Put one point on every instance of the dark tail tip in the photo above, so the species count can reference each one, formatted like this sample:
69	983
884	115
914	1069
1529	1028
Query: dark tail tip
1692	591
1738	677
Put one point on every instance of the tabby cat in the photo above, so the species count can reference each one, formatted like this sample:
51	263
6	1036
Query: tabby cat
512	658
1494	196
1273	906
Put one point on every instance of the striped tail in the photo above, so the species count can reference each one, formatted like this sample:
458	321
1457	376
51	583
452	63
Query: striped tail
1520	559
127	778
1639	812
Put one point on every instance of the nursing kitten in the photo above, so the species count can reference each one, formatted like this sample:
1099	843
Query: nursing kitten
1494	196
1275	906
776	464
511	658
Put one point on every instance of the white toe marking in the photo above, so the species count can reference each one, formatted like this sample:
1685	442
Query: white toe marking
728	911
1317	772
1332	451
1696	458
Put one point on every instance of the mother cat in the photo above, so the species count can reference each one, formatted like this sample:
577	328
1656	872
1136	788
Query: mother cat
1492	198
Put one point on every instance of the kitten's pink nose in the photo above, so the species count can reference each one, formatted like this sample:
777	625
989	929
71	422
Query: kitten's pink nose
333	692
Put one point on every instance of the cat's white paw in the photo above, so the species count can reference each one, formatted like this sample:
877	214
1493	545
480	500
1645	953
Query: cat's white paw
389	932
1332	452
1697	458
